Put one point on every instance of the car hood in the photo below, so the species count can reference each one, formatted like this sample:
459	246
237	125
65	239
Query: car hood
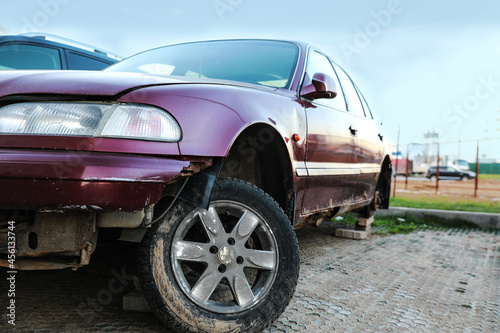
74	82
90	83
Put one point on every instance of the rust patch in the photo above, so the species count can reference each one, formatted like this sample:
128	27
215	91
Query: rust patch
196	166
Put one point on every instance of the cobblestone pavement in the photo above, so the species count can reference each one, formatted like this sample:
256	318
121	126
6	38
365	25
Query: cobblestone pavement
432	281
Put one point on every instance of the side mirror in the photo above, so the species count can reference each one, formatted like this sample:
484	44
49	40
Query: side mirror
321	86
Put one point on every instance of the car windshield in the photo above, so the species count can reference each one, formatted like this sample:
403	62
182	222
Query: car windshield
268	63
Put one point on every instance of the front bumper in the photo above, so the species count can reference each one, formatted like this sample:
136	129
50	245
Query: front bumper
64	180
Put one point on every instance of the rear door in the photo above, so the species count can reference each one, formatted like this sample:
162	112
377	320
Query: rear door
369	139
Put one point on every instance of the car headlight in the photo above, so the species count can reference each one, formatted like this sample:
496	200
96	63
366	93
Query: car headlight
132	121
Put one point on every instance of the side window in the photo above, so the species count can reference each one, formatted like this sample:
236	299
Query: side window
18	56
351	95
80	62
320	63
368	111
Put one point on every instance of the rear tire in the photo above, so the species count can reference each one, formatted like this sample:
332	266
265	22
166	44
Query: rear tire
464	178
232	268
433	178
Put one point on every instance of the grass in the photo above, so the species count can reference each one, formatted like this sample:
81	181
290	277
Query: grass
349	219
404	225
444	203
409	223
485	176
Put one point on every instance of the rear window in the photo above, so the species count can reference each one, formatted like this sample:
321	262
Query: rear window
16	56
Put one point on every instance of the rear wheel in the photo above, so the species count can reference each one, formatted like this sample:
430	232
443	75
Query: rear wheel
231	268
433	178
464	178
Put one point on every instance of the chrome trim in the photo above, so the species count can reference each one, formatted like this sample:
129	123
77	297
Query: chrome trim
336	169
301	169
333	172
302	172
370	170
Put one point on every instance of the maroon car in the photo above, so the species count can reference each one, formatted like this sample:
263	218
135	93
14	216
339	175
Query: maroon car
209	154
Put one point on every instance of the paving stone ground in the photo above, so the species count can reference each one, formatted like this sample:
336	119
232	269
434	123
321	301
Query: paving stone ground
429	281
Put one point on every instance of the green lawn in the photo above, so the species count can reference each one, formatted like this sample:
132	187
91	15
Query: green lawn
444	203
384	225
404	225
485	176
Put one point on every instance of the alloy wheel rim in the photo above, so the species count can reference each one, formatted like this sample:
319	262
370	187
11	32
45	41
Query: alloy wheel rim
225	259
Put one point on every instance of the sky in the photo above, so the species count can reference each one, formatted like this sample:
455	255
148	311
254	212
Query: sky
423	66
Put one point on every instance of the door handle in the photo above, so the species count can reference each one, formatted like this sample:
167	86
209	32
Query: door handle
353	130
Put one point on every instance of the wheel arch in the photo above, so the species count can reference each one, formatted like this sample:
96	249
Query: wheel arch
260	157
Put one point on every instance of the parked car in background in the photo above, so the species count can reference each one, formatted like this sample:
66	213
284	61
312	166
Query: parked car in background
448	172
209	154
44	51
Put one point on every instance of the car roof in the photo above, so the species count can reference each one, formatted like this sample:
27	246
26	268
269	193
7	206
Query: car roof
61	42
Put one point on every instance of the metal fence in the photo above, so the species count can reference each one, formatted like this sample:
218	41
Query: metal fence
479	156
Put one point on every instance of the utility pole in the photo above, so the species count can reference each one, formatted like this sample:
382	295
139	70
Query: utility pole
477	170
437	170
396	172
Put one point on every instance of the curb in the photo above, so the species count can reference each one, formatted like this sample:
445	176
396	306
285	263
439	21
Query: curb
482	220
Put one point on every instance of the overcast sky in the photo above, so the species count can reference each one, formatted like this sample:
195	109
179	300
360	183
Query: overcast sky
422	65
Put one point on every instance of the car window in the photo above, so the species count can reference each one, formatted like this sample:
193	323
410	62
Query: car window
318	63
18	56
268	63
353	103
80	62
368	111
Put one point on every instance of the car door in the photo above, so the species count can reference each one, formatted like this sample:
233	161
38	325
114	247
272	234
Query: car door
369	139
444	173
331	157
449	173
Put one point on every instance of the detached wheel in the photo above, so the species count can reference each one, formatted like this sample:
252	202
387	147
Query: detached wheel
231	268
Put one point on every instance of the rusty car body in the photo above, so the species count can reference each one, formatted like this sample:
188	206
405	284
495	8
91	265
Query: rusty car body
156	143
